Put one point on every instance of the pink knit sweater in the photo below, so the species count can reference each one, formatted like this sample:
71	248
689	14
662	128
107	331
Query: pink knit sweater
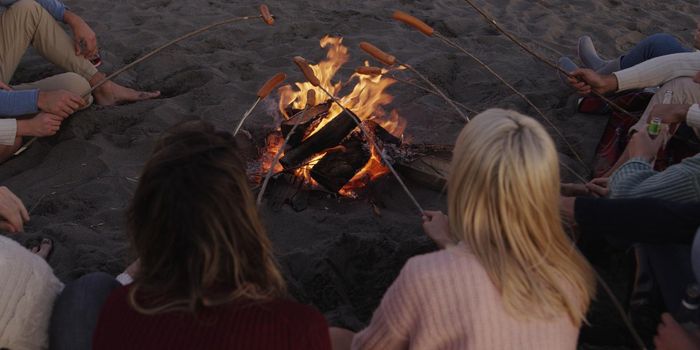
445	300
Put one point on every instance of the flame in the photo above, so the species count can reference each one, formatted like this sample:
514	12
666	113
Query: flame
366	99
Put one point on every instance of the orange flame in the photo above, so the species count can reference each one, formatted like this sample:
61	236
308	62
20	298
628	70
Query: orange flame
366	100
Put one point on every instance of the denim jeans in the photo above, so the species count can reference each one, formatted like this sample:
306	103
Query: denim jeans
652	47
77	310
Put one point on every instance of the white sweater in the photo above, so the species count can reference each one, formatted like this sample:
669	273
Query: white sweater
660	70
28	289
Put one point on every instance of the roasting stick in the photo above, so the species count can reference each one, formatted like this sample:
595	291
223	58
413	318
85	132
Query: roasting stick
374	71
265	15
390	60
311	78
262	93
430	32
541	58
310	102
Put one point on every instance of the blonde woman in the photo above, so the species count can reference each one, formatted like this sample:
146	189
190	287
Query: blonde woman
507	277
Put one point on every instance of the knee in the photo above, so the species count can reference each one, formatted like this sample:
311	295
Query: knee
664	43
25	7
76	84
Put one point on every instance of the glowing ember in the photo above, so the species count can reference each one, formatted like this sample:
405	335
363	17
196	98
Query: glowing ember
366	100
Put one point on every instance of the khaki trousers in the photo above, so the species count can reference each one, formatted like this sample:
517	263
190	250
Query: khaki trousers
685	91
27	23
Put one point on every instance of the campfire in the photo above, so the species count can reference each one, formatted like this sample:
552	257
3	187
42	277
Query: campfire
325	147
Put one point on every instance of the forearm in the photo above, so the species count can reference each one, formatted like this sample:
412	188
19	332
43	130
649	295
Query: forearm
625	182
17	103
644	220
658	71
8	131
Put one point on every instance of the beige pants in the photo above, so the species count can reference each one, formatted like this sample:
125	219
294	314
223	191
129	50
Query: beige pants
27	23
685	91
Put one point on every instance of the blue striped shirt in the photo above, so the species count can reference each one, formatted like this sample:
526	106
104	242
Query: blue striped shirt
637	179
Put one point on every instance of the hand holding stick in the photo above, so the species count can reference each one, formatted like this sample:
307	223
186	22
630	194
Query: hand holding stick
262	93
311	77
390	60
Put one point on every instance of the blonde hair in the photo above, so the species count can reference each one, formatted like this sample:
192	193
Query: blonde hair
503	203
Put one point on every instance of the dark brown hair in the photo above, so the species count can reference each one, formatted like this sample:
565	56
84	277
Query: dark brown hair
194	225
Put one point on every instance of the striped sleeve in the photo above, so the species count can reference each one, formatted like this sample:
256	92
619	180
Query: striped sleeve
390	325
693	116
657	71
637	179
8	131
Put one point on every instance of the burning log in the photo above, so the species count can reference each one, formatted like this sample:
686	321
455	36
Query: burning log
307	121
381	134
341	164
331	135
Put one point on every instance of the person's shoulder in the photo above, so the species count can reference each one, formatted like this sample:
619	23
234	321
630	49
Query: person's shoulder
444	265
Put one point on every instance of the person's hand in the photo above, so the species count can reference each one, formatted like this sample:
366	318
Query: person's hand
671	336
42	125
642	146
59	102
669	114
84	38
598	187
573	190
586	81
13	214
5	87
437	226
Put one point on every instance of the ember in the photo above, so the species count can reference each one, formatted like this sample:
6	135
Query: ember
324	150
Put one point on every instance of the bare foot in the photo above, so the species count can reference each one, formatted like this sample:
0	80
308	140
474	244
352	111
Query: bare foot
43	249
111	94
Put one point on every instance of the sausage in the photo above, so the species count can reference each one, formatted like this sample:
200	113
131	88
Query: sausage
270	84
306	69
380	55
310	98
374	71
266	15
414	22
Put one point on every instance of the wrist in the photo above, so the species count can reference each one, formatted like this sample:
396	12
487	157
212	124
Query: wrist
70	18
23	127
611	83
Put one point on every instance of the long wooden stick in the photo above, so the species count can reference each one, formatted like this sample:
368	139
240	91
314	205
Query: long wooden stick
147	56
276	159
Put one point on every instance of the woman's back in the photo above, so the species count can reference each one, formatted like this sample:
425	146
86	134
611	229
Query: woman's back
274	324
445	300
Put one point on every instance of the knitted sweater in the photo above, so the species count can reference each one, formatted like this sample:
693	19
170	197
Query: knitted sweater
637	179
28	289
446	300
660	70
275	325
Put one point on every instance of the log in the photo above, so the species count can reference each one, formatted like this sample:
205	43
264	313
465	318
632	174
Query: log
307	120
339	166
430	171
331	135
380	134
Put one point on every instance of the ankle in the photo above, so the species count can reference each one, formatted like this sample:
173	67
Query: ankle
97	78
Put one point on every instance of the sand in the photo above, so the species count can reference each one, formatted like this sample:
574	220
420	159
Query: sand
338	253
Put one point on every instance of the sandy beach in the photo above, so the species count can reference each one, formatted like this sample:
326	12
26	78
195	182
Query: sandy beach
339	254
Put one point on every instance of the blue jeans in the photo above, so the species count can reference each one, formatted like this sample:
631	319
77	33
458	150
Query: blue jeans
77	309
652	47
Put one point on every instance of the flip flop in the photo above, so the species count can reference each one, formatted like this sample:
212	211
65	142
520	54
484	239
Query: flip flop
36	242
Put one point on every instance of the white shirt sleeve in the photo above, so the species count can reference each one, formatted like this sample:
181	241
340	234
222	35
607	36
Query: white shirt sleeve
657	71
693	117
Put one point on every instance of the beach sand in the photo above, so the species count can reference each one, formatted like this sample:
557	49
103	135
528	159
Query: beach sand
339	254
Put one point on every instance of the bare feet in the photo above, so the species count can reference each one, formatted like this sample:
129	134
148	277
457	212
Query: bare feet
110	93
43	249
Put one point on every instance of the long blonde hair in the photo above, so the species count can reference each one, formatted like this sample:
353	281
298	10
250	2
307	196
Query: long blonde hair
503	203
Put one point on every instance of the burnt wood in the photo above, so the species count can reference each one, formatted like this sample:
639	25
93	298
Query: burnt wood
306	120
339	166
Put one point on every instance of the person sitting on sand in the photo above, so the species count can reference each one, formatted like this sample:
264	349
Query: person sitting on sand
207	277
506	276
28	286
50	100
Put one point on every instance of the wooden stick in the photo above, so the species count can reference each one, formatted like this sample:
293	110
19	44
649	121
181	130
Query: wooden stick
245	116
310	76
262	93
390	60
520	94
153	53
541	58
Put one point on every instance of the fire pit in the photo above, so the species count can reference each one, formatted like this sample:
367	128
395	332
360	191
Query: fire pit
326	148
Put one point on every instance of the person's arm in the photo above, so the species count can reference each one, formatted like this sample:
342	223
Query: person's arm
637	179
643	220
8	131
657	71
390	327
17	103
